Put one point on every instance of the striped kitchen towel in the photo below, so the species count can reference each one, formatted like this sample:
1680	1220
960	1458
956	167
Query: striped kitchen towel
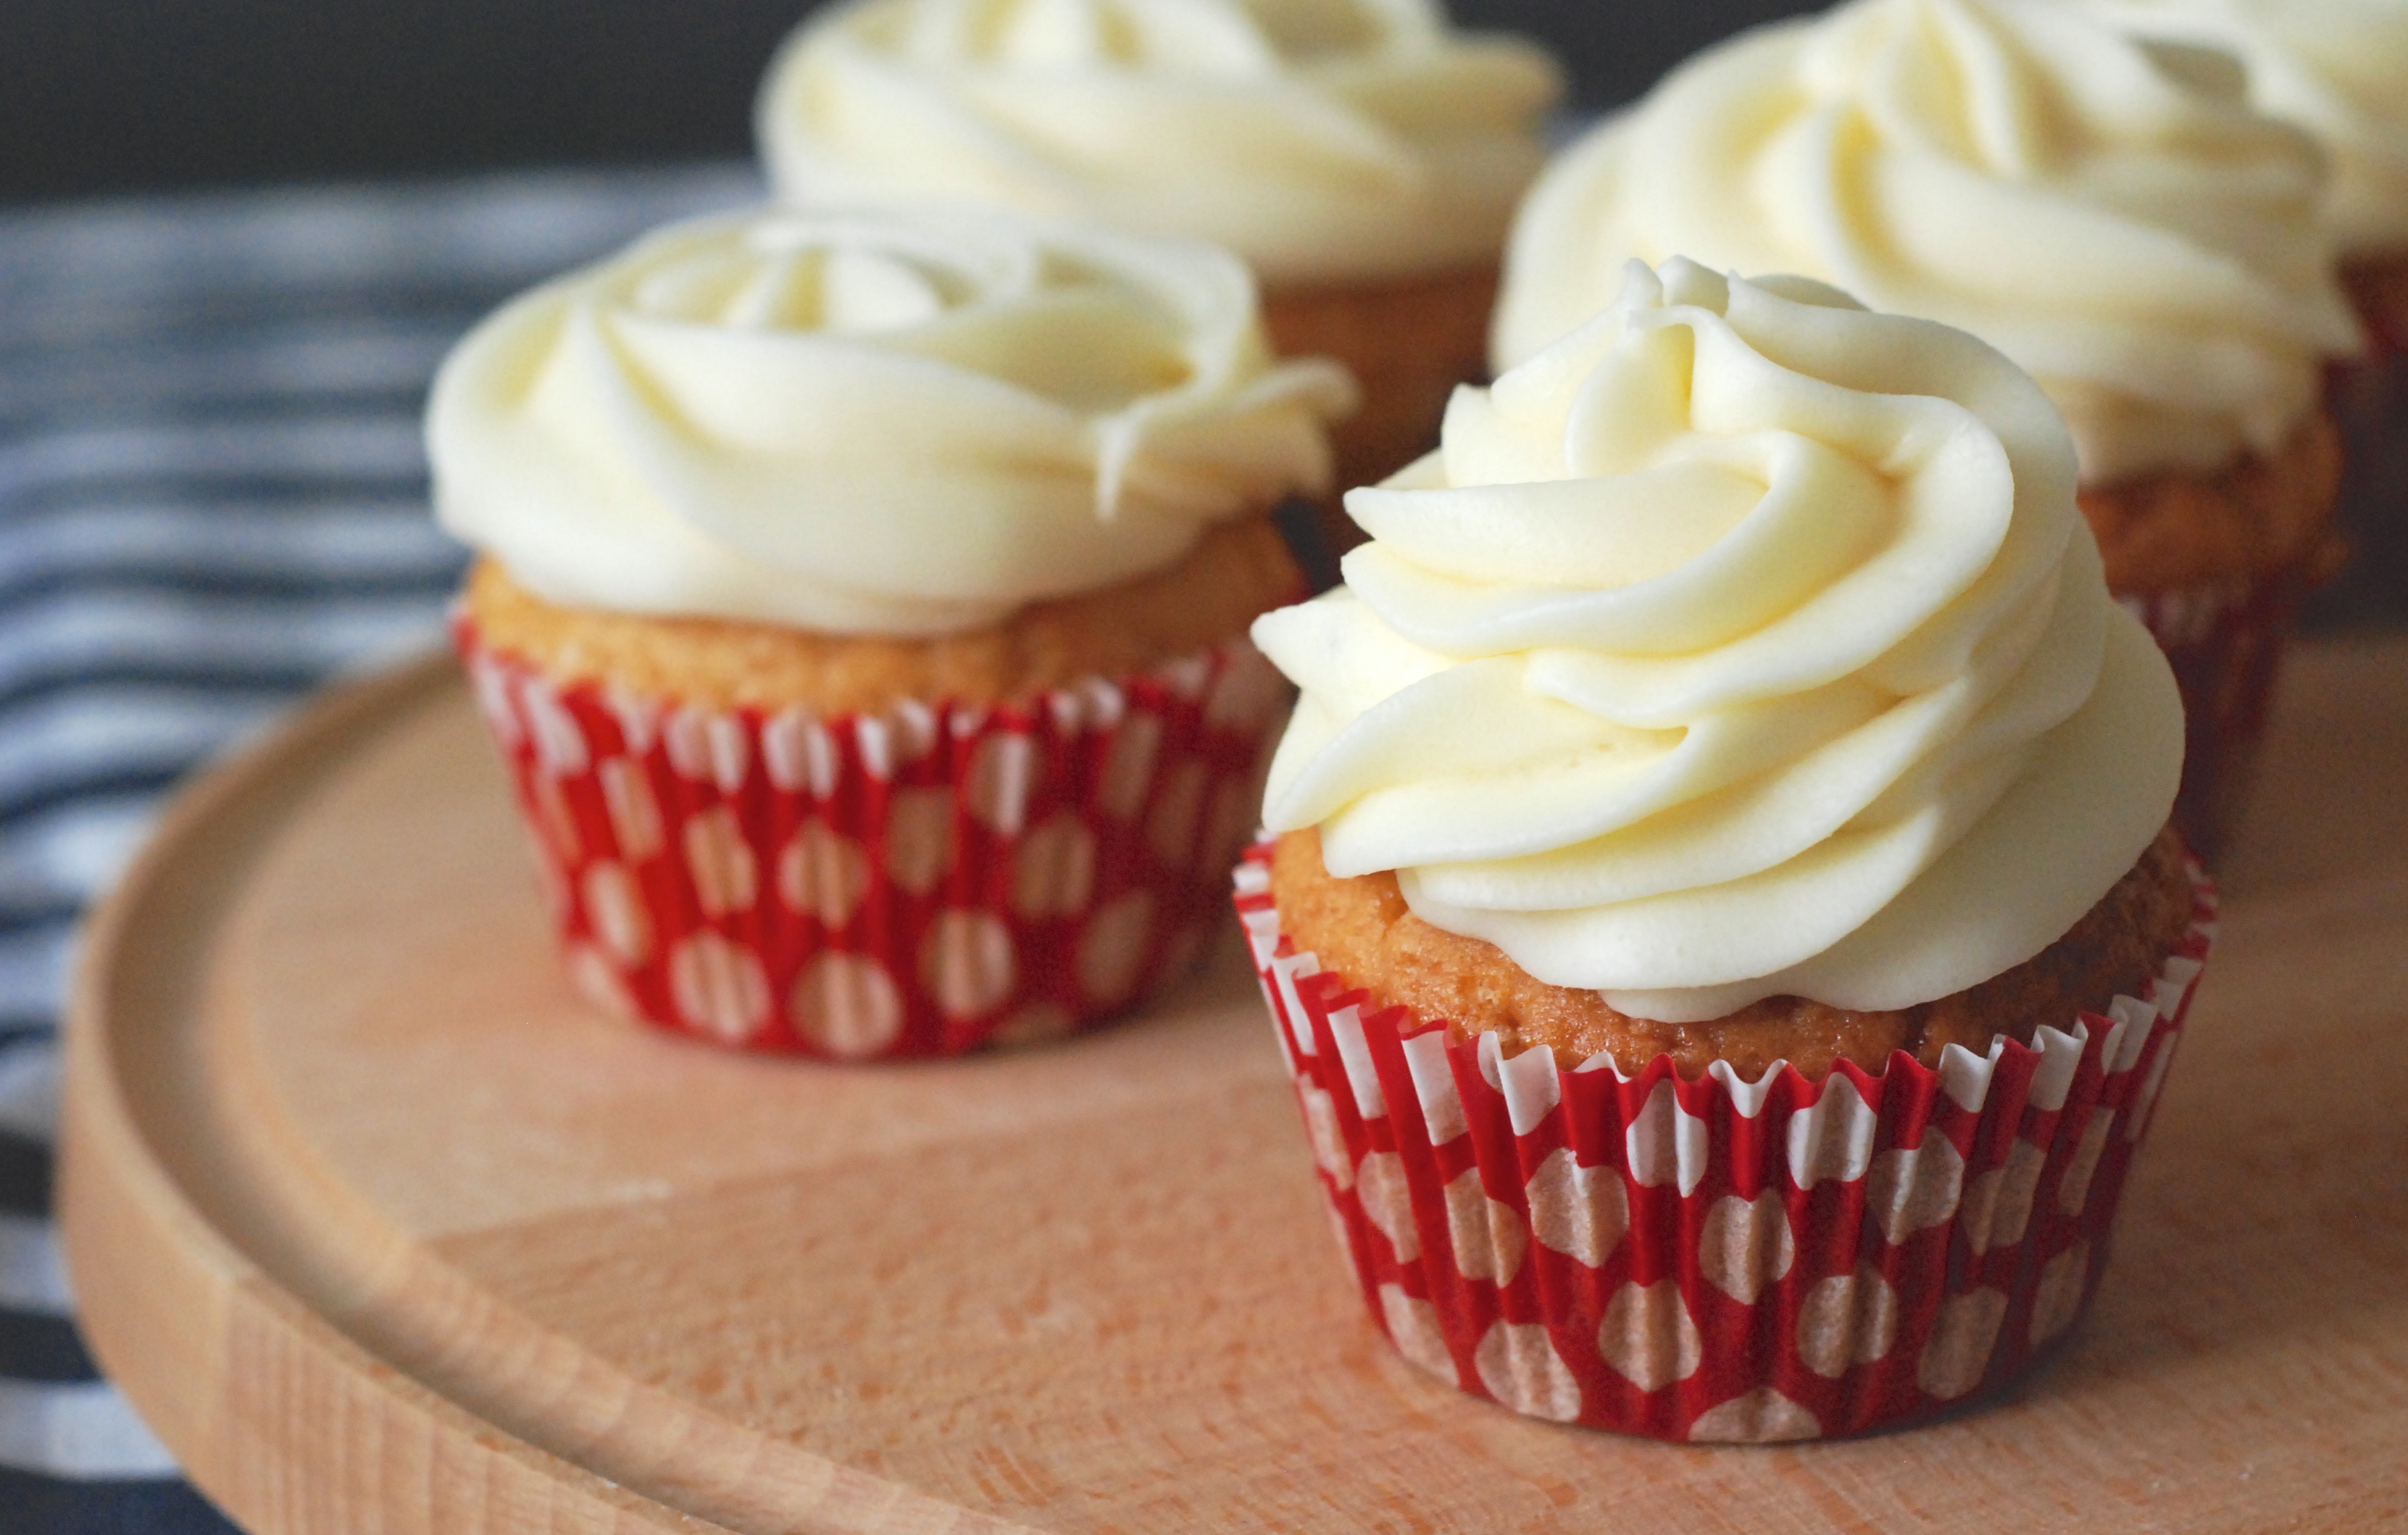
212	500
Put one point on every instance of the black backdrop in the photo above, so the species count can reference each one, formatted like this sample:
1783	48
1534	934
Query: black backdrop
109	95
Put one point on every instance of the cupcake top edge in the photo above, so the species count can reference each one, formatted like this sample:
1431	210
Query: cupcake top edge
1329	142
2337	68
895	423
1744	643
2105	209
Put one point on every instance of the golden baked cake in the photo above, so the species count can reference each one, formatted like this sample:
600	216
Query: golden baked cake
1722	919
862	611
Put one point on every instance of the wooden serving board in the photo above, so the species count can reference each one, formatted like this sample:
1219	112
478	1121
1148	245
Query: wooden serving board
385	1232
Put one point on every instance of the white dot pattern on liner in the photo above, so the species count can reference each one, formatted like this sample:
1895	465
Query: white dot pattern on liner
999	783
2058	1298
552	813
1665	1144
1518	1364
1834	1139
1113	949
1762	1417
1914	1190
1958	1353
2074	1192
1328	1140
726	875
919	839
1488	1234
823	874
719	989
970	964
1577	1210
1414	1328
1647	1335
1745	1246
1847	1319
1998	1207
1388	1203
634	814
551	882
1054	869
847	1006
616	910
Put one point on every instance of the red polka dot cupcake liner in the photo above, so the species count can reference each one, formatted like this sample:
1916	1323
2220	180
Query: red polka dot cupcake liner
1718	1260
2226	645
925	880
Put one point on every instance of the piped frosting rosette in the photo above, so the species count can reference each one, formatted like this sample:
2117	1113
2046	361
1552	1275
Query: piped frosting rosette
2104	209
1743	643
1334	141
897	423
2338	69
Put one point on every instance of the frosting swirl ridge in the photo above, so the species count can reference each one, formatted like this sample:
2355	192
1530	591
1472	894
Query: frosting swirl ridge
2338	69
892	423
1744	643
2105	209
1331	140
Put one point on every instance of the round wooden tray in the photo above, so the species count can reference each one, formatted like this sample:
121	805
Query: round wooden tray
383	1230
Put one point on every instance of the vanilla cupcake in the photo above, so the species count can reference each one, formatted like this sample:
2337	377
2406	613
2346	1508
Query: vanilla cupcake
861	610
2107	211
1363	157
1723	918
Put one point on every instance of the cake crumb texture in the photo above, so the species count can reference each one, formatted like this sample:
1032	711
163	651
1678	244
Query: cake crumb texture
1360	927
1239	570
2256	517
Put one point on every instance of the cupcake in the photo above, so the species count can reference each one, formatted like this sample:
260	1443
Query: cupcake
1722	919
862	614
2339	70
1360	154
2107	211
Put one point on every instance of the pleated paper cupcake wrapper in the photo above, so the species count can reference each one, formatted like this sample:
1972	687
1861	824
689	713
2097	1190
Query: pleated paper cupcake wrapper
1718	1260
2226	647
922	882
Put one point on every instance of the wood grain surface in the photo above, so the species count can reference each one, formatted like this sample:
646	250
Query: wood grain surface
385	1232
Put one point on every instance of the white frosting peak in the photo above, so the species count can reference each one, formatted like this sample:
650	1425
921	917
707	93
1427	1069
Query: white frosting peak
1743	643
2338	69
894	423
2106	211
1320	140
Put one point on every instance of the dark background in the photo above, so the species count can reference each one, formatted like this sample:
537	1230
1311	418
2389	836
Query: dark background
99	95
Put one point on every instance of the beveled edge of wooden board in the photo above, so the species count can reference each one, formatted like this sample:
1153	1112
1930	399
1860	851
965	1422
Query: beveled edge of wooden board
166	1298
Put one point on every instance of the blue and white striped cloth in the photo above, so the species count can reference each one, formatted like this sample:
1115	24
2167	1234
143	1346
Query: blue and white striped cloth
212	500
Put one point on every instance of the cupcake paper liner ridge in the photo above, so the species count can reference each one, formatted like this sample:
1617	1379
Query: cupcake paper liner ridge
924	881
1718	1260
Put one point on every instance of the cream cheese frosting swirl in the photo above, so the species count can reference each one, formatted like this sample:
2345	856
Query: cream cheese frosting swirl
892	423
2338	69
1744	643
1324	141
2106	210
